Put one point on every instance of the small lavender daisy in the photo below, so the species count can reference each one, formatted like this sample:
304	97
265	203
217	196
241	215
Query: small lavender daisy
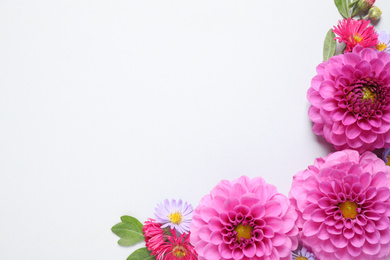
383	42
174	215
302	253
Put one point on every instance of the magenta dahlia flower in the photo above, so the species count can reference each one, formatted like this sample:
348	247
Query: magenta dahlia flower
343	205
356	32
154	236
177	248
244	219
175	215
350	98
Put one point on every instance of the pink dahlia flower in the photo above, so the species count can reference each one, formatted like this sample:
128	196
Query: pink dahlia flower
154	236
177	248
244	219
343	205
356	32
350	100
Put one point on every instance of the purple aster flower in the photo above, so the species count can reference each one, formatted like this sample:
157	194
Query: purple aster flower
174	215
302	253
386	156
383	42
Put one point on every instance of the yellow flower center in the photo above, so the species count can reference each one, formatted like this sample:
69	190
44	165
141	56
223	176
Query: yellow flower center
301	258
388	160
243	231
381	46
176	217
349	209
179	251
368	94
357	38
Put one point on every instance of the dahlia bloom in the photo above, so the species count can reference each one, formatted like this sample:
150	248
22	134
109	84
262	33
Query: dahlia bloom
343	205
384	42
355	32
175	215
154	236
350	98
244	219
176	248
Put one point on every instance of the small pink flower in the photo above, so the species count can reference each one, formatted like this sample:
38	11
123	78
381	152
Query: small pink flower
356	32
350	100
154	236
343	205
244	219
176	248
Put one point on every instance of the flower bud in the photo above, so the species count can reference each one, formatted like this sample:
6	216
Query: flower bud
364	5
374	14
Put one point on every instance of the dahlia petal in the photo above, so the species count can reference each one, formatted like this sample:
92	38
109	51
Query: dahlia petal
337	115
354	251
370	226
249	250
207	213
327	89
278	239
385	236
368	54
272	208
371	249
274	222
351	59
204	234
339	241
329	104
338	128
348	118
382	194
353	131
230	203
348	233
375	122
342	254
211	252
249	201
357	240
258	211
318	215
216	238
368	136
237	190
310	228
383	223
377	66
373	237
284	250
364	124
327	246
315	99
215	224
323	233
364	67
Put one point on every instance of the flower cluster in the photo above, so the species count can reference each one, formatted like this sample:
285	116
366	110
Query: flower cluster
168	237
338	208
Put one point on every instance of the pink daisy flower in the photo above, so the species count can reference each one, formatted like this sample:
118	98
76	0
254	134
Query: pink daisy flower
355	32
154	236
244	219
176	248
350	100
343	204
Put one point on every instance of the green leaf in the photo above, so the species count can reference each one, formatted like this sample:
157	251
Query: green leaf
342	6
329	45
129	231
353	3
130	219
141	254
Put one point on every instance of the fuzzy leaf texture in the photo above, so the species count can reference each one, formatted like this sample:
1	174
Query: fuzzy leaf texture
141	254
129	231
329	45
343	7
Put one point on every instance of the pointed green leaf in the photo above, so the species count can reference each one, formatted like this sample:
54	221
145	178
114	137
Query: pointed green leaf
129	231
130	219
353	3
329	45
141	254
342	6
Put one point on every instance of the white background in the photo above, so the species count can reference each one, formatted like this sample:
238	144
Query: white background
109	107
